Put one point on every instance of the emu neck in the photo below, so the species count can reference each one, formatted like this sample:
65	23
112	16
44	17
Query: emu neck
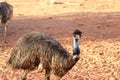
75	57
76	50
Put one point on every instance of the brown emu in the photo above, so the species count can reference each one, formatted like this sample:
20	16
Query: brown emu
6	13
39	50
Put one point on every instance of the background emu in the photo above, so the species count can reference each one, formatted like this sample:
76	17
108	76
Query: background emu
6	13
39	50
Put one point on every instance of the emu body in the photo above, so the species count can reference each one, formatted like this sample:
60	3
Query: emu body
6	13
37	49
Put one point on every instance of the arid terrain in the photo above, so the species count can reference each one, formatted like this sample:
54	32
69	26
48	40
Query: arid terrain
99	21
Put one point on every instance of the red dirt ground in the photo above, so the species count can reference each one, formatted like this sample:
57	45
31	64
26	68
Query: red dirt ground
100	44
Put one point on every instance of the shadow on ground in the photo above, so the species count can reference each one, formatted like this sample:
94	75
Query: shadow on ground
99	56
98	26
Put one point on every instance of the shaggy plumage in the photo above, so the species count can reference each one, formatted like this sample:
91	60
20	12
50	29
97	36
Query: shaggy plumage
37	48
6	13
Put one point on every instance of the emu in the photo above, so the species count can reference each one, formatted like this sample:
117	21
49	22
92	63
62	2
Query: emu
6	13
41	51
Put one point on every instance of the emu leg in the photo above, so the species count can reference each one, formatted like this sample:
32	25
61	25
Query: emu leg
47	74
5	33
57	78
40	67
24	74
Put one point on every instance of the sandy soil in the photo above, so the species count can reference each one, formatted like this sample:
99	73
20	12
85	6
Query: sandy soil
100	44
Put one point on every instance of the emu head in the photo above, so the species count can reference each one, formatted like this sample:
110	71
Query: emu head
76	50
77	34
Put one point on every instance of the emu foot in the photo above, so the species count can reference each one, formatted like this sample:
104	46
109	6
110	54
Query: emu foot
2	47
24	74
40	68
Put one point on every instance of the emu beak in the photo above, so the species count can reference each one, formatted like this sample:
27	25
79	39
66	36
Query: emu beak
77	36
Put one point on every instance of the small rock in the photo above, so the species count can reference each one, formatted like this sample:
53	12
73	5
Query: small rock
101	53
112	78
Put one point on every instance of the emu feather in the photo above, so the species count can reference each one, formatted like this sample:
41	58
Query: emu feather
37	49
6	13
